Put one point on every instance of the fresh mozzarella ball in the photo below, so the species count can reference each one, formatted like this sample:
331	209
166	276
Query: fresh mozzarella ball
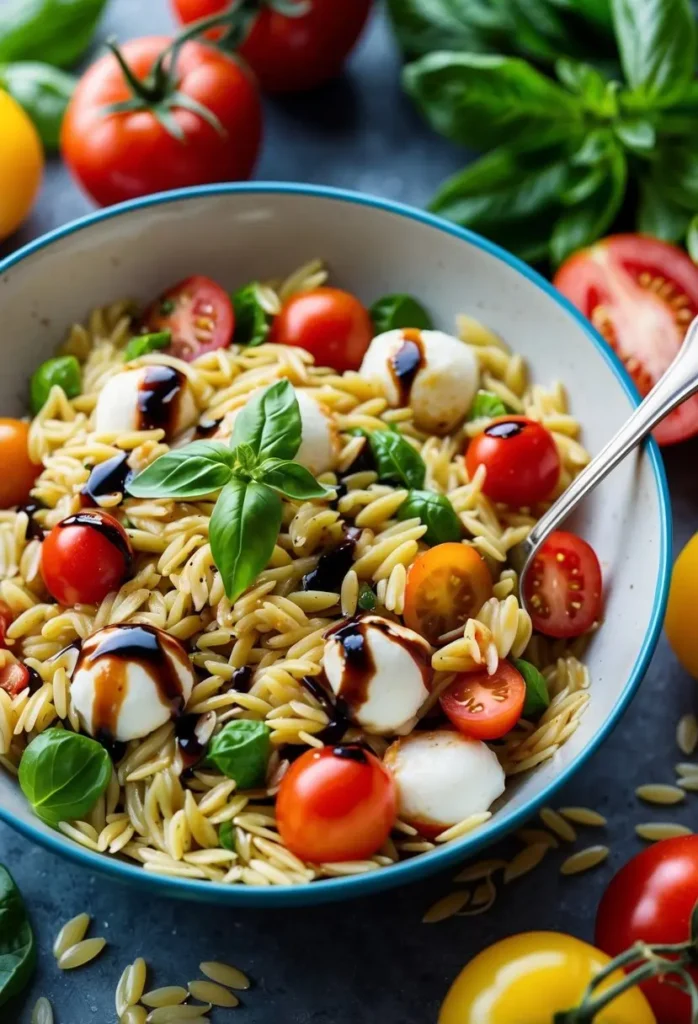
129	680
147	398
443	777
434	373
380	670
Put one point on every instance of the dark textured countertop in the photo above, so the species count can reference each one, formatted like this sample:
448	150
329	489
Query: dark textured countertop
368	960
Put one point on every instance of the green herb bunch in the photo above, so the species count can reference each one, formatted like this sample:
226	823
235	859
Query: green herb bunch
562	157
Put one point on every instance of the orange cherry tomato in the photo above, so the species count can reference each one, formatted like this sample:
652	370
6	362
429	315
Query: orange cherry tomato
483	706
446	585
330	324
84	557
520	458
18	471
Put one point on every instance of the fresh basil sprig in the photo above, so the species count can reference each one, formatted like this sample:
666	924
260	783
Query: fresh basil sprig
252	322
63	774
436	513
17	946
393	311
250	477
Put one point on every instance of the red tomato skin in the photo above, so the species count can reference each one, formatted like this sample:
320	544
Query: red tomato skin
580	555
198	290
522	469
82	563
505	694
334	808
330	324
292	54
651	899
14	678
116	157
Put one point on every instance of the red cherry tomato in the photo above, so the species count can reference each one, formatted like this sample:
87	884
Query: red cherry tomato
640	294
197	312
338	803
651	899
483	706
18	471
563	587
520	457
289	54
84	557
330	324
14	678
6	618
117	156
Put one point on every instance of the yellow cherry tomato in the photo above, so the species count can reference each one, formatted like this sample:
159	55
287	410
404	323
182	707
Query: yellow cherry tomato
683	596
21	164
528	978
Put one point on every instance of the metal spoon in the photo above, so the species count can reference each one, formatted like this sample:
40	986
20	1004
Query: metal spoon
678	383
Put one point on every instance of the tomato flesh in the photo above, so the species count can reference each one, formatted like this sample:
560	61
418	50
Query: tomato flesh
84	557
18	471
199	314
446	586
336	804
330	324
484	706
640	294
14	678
563	586
520	458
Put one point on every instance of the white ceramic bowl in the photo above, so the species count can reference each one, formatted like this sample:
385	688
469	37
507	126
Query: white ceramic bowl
238	233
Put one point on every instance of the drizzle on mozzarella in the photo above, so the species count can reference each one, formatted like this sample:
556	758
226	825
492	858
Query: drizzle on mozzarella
146	398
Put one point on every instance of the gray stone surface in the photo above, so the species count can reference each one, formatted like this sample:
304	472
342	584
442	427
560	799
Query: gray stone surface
370	960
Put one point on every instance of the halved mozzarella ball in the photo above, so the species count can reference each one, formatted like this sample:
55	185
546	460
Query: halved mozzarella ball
147	398
443	777
129	680
380	670
434	373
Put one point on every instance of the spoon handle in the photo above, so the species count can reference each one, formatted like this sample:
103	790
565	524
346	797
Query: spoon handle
678	383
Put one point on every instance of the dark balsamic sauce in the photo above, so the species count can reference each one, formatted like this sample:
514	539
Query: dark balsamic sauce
241	680
159	395
206	427
35	681
333	565
406	363
364	461
110	477
115	748
505	430
352	753
34	530
334	709
191	748
99	522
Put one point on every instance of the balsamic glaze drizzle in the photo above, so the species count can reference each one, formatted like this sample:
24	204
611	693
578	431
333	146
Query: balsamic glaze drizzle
34	530
406	363
110	477
333	565
159	395
505	430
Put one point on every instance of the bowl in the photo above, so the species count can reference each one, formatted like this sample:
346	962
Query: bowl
236	233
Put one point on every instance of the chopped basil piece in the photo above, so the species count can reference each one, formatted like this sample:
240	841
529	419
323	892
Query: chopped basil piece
252	322
241	751
63	371
226	836
63	774
395	311
437	514
367	599
142	344
537	696
487	405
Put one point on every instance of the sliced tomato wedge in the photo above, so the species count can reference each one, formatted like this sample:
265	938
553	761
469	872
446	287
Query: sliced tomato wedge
640	294
14	678
199	314
483	706
563	587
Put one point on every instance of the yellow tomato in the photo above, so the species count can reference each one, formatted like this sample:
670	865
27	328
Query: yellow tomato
21	164
683	597
527	979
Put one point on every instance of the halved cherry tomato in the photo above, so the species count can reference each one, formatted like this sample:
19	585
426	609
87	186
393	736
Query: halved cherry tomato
651	900
640	294
563	586
18	471
446	585
14	678
6	618
520	457
198	313
330	324
338	803
84	557
483	706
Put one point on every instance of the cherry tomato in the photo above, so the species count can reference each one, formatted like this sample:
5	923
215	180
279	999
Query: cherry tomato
21	166
338	803
640	294
683	597
446	585
563	587
14	678
289	54
651	899
522	462
483	706
84	557
6	618
117	156
18	471
330	324
197	312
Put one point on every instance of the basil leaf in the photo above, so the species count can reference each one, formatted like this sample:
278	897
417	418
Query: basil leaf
658	214
198	469
636	134
63	371
537	696
270	422
692	239
367	599
676	167
226	836
142	344
243	531
437	514
486	405
241	751
245	460
292	480
43	92
252	322
588	220
55	31
17	946
396	459
657	44
590	85
393	311
63	774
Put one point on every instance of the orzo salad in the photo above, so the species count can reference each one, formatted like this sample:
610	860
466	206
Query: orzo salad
256	620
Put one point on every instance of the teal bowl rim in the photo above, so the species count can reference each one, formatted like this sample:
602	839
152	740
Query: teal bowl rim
330	890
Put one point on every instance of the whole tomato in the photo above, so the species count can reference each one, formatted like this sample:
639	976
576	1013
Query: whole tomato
135	125
287	51
21	164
